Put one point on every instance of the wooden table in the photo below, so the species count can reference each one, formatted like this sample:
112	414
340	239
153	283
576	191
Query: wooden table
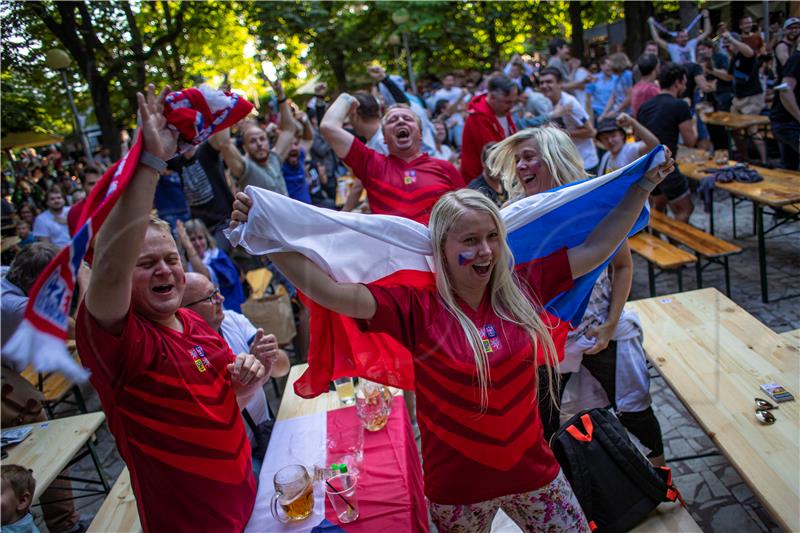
733	120
51	446
778	191
715	356
6	243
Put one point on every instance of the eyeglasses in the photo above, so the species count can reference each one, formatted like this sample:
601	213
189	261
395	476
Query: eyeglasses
211	298
763	408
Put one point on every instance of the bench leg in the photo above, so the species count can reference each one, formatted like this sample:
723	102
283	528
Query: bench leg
651	278
76	391
762	253
98	466
680	280
698	268
727	277
733	215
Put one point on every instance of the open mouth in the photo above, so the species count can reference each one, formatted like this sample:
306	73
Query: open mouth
528	179
294	153
162	289
403	133
482	268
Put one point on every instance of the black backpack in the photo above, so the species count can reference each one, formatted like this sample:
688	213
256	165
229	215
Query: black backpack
615	484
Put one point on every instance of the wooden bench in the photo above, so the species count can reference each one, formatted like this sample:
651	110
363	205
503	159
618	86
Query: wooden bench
55	388
661	254
708	247
792	337
118	512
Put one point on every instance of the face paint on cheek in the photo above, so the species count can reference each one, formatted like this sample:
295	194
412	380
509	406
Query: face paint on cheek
465	258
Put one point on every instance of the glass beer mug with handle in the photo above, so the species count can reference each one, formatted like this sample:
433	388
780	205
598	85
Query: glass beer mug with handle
373	404
294	494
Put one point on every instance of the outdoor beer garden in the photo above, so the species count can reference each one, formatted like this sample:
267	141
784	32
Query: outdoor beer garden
400	266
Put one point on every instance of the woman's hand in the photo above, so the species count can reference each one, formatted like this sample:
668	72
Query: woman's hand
241	207
186	242
657	174
602	336
159	140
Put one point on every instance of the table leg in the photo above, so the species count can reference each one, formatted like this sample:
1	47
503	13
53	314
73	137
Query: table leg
733	214
711	214
698	268
727	278
762	252
680	279
651	278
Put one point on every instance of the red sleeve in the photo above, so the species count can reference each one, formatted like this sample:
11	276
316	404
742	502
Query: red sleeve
72	217
398	313
470	152
364	161
113	359
547	276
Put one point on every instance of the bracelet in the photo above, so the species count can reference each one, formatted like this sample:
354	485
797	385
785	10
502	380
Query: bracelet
647	184
156	163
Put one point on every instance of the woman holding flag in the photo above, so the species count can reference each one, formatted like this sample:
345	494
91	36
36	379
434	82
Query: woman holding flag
537	160
482	441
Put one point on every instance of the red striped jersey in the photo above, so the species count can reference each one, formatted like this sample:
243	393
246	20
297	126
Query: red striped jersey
470	456
396	187
171	408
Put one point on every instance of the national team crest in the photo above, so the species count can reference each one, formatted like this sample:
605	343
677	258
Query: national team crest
409	177
491	341
199	357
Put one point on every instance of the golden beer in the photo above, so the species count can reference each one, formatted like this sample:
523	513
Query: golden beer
301	506
294	492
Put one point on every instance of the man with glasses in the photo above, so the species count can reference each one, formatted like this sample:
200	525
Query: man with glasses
242	336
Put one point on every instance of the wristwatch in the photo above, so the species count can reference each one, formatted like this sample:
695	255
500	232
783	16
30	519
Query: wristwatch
156	163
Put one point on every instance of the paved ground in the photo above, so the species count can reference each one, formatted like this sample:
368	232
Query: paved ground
716	496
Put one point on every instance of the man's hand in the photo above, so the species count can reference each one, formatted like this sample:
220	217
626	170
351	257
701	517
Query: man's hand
277	86
241	207
265	348
657	174
159	140
602	336
561	110
246	369
624	120
377	73
704	13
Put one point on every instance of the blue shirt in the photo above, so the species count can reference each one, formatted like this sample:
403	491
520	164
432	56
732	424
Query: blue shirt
624	83
601	91
295	178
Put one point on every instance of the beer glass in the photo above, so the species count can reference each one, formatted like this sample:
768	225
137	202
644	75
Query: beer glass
294	494
373	404
345	390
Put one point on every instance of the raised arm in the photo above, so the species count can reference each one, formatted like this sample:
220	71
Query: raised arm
194	259
377	73
621	281
287	125
349	299
120	239
740	47
222	142
650	140
654	34
706	26
332	127
613	229
788	99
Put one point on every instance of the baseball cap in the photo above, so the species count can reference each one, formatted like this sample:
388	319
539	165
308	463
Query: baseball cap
608	125
791	21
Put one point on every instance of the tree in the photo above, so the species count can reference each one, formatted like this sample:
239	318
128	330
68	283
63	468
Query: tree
637	31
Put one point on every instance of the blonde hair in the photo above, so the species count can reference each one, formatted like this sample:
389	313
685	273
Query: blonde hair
619	62
160	224
508	300
196	225
556	150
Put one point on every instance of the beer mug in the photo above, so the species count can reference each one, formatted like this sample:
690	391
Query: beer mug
373	404
294	492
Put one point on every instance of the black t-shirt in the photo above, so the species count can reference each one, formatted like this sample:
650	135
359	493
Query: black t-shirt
692	70
791	69
745	76
479	184
662	115
204	185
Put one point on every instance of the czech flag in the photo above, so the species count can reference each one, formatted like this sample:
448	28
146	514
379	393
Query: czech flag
390	250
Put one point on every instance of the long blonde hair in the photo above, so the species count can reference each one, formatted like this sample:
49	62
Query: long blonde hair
508	300
555	148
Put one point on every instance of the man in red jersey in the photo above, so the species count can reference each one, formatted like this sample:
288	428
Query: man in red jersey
405	183
166	380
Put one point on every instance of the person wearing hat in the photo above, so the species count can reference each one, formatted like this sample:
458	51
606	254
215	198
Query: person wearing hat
784	48
611	134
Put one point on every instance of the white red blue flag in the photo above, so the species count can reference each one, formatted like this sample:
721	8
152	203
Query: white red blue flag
390	250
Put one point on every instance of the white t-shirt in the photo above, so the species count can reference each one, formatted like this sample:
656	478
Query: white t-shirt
54	228
580	94
445	152
504	123
237	331
682	54
629	153
451	95
576	119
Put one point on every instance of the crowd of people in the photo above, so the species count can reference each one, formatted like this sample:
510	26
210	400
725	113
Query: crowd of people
448	155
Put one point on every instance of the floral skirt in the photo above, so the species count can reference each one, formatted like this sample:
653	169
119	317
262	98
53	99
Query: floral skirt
553	508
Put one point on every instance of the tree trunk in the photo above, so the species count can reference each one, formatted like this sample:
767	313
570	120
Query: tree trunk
688	11
339	66
494	47
575	8
105	117
636	30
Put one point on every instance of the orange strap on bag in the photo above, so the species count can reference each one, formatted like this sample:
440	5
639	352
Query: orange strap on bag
588	427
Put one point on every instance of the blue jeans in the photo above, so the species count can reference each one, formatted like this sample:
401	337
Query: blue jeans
788	136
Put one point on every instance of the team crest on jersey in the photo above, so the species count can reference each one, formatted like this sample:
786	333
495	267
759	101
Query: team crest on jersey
491	341
409	177
199	357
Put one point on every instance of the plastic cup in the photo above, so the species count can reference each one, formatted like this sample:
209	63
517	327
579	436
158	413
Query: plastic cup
341	491
345	390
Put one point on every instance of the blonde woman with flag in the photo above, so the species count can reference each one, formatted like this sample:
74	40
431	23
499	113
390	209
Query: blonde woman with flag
476	338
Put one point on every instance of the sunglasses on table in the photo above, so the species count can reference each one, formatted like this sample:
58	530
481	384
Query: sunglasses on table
763	408
211	298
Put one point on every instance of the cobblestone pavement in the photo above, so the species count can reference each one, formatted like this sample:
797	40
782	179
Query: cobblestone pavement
715	494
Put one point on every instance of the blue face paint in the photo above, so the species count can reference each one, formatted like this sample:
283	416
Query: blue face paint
465	258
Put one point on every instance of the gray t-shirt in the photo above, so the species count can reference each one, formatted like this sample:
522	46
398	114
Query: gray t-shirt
269	176
13	302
